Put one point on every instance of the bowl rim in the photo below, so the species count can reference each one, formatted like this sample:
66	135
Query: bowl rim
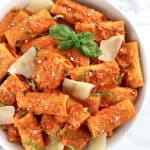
144	63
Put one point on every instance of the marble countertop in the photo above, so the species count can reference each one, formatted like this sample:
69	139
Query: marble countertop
139	13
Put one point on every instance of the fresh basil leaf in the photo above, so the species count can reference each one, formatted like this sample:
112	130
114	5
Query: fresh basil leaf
74	37
61	32
90	49
86	36
66	45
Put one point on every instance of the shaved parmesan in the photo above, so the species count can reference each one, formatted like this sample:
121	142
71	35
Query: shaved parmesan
79	90
36	5
98	143
54	145
25	64
7	115
110	48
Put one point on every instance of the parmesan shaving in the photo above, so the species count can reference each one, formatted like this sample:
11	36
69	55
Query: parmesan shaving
98	143
79	90
37	5
25	64
110	48
7	115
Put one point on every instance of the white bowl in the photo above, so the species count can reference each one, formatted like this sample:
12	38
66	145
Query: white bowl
114	14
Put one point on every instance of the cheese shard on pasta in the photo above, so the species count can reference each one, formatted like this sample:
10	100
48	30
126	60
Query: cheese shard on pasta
37	5
98	143
7	115
110	47
79	90
25	64
54	144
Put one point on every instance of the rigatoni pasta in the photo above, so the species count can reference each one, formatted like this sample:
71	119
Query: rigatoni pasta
74	138
20	16
29	131
103	30
77	115
43	103
73	12
29	28
129	62
10	87
51	125
104	76
45	42
6	59
51	78
93	104
111	117
118	94
5	23
13	134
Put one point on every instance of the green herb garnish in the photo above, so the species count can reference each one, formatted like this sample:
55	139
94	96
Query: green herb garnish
102	94
68	134
72	147
37	147
82	76
28	33
37	49
19	43
2	104
84	42
23	113
77	138
32	84
121	78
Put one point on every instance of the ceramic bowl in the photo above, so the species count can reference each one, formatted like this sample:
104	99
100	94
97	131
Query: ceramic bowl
114	14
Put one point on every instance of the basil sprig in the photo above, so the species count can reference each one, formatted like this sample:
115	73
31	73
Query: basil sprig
84	42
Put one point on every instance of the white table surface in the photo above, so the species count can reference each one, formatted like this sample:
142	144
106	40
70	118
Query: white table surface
138	11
